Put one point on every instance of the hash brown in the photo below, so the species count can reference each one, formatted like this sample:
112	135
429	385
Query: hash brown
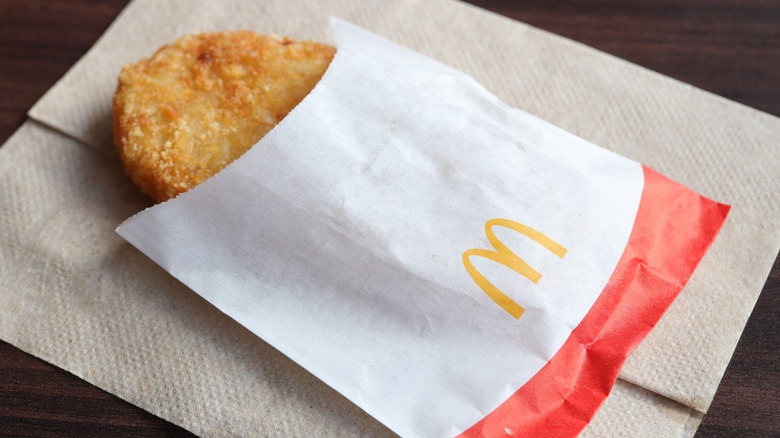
196	105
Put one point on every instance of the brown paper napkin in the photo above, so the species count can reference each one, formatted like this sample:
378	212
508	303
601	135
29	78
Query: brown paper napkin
110	316
76	295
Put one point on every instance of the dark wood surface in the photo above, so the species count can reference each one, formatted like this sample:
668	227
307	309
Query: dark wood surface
728	47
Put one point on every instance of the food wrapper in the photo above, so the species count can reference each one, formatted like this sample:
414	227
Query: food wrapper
452	265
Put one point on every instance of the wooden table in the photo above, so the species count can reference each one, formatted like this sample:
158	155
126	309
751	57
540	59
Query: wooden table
729	47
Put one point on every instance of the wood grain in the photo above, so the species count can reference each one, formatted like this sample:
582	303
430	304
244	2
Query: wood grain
728	47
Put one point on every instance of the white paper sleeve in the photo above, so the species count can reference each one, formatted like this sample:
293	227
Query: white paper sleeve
344	237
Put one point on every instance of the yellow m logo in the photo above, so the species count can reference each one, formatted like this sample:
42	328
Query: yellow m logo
506	257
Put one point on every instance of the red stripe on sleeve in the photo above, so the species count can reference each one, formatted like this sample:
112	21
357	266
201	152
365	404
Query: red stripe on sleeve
673	229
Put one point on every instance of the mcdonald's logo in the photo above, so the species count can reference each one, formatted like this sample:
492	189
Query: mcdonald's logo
506	257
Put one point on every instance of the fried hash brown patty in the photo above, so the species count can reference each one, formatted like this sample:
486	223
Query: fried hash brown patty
199	103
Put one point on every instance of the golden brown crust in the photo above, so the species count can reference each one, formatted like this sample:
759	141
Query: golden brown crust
199	103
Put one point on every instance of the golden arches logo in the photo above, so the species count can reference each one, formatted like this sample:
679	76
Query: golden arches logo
506	257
